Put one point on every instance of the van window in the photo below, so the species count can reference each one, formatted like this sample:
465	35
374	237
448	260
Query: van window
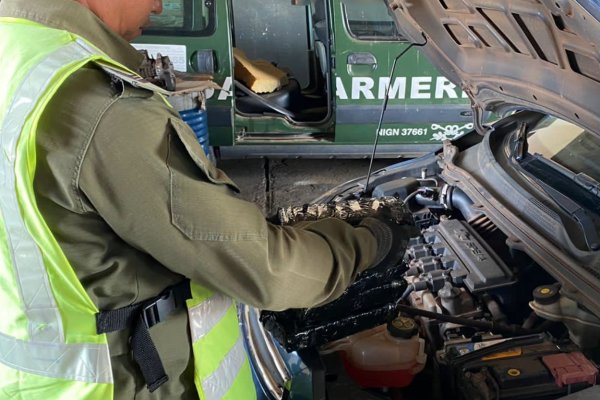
369	20
183	18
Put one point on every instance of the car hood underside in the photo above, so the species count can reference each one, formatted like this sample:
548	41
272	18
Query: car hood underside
511	54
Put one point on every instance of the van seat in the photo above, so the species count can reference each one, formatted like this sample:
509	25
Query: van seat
286	97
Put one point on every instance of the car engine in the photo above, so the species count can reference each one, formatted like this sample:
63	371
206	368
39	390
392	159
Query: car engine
466	315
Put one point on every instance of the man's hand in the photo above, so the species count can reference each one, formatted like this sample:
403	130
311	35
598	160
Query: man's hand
392	237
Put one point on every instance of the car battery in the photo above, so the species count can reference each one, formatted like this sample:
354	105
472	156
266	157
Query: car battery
533	371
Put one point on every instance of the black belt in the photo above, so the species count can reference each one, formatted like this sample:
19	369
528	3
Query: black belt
140	317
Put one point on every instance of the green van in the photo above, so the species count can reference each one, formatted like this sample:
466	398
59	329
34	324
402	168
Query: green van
338	55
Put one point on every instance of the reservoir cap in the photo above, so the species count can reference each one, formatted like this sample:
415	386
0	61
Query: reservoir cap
402	327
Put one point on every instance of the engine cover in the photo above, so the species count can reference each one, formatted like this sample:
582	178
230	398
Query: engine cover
454	246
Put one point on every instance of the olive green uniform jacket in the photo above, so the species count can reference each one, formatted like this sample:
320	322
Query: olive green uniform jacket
136	206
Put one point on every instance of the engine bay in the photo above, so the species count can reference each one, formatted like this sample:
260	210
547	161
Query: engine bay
467	314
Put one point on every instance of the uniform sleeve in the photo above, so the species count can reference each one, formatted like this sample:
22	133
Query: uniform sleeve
147	176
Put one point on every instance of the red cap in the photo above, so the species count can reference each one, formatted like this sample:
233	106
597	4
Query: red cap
571	368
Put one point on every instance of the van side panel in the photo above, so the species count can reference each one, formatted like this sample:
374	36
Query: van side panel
424	107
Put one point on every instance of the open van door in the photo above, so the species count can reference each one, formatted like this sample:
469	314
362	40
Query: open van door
424	107
196	35
297	112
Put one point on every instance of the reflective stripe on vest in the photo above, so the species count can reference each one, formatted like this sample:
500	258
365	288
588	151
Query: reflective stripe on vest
36	343
222	367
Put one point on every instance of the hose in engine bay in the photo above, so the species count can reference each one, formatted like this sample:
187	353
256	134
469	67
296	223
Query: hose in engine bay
486	325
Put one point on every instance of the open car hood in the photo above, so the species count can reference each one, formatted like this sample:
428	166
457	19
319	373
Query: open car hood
514	54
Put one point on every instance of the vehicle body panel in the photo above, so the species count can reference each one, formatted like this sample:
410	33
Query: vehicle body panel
424	107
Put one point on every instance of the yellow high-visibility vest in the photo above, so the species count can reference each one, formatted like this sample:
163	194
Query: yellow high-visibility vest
49	347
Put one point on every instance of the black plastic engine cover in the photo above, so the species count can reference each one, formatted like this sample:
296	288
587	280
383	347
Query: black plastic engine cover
368	302
455	246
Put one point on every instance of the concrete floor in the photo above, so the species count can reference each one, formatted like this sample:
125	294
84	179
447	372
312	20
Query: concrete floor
274	183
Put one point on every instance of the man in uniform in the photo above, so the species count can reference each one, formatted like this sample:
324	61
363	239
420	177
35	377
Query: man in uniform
135	207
